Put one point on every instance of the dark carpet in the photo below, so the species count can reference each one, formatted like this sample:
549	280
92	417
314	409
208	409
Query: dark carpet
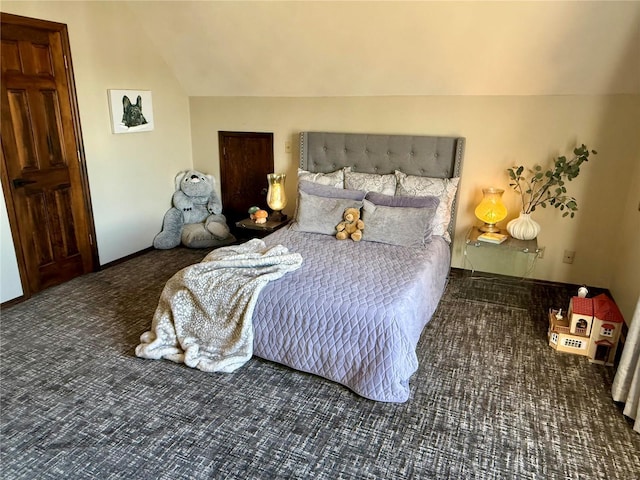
491	400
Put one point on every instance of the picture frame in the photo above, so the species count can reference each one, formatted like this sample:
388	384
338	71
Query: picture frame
131	111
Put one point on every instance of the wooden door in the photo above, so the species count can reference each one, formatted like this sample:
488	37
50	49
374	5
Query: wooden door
245	161
43	172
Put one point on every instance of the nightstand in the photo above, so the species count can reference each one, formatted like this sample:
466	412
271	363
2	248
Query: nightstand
512	257
247	228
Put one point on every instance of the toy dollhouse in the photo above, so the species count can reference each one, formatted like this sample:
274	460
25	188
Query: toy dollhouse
591	328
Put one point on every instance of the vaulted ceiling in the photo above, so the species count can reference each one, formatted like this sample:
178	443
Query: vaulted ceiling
371	48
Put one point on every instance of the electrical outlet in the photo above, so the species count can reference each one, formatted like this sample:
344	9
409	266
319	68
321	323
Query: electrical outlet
541	252
568	257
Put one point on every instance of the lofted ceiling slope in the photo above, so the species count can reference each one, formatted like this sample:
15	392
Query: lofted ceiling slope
372	48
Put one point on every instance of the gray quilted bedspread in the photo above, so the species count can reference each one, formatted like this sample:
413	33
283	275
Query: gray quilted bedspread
354	311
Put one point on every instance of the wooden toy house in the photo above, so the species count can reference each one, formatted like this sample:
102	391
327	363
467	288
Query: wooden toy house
580	316
591	328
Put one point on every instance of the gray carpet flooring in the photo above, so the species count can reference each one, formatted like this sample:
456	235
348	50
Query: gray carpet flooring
491	400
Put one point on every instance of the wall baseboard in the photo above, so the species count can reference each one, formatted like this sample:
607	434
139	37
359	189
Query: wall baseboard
128	257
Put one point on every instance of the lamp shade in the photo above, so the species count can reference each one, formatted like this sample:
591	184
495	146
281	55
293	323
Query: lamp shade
491	210
276	197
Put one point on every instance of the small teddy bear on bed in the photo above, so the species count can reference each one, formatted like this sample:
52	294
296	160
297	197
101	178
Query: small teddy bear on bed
351	226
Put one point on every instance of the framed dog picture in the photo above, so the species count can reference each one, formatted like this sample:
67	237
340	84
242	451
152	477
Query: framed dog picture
131	111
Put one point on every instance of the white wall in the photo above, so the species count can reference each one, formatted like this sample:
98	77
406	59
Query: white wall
10	286
373	48
625	255
500	131
130	175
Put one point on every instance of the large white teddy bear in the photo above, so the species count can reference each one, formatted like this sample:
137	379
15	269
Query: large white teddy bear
196	217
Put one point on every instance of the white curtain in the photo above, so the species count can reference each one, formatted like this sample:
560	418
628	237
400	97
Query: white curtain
626	384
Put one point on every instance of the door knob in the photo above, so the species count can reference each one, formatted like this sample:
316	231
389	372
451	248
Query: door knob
21	182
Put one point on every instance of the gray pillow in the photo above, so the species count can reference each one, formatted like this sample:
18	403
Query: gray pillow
404	226
316	214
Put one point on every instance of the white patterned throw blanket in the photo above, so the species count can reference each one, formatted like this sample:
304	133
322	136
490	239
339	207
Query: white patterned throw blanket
204	315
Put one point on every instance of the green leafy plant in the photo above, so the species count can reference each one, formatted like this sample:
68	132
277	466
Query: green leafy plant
542	188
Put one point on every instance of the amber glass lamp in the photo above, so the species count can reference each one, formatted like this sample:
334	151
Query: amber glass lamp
491	210
276	198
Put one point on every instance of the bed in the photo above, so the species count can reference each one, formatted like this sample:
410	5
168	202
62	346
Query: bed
354	311
349	311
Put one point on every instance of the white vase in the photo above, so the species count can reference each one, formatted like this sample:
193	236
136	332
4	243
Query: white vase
523	227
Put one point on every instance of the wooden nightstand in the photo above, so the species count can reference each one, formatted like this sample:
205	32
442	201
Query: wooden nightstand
247	228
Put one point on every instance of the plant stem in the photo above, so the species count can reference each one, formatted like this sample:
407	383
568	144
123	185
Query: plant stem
534	202
519	188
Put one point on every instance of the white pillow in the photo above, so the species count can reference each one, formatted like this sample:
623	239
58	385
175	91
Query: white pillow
332	179
443	188
370	182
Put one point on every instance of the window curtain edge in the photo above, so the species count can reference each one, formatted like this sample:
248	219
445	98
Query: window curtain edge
626	384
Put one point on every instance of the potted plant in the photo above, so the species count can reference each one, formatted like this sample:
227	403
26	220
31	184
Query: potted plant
538	188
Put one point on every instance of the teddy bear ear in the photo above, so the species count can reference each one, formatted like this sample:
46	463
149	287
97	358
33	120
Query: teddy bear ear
211	179
179	178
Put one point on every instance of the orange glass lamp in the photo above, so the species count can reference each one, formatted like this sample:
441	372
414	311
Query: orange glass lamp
276	197
491	210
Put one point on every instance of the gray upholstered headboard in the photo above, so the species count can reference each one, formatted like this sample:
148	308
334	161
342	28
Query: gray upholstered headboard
439	157
426	156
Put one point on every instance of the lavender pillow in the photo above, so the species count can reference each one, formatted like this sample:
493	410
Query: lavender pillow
327	191
394	201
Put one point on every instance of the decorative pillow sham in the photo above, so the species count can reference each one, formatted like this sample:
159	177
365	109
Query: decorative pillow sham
404	226
370	182
316	214
334	179
443	188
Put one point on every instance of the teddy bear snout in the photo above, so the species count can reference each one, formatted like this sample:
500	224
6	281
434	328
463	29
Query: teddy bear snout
194	179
